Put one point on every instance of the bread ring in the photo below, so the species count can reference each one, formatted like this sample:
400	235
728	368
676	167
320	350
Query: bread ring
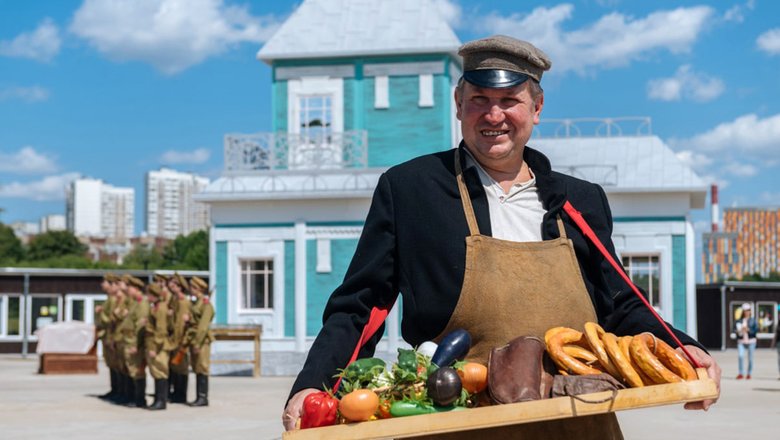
621	362
580	353
549	333
594	332
659	366
563	360
624	342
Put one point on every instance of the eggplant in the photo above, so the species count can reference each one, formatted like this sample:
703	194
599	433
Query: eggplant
453	347
444	386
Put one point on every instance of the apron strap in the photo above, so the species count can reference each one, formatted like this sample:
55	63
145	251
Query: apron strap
465	198
561	229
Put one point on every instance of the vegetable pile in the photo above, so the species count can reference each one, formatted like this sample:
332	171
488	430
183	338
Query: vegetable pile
425	380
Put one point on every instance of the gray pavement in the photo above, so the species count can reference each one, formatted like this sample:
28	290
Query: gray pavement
34	406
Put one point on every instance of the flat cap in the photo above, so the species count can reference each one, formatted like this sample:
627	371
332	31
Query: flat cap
500	61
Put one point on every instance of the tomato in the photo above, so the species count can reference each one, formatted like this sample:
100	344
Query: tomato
359	405
384	409
473	376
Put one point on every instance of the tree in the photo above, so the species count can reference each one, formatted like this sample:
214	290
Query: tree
11	249
188	252
54	244
143	257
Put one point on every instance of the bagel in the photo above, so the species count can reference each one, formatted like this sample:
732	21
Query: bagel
549	333
565	361
594	333
621	362
665	366
580	353
624	342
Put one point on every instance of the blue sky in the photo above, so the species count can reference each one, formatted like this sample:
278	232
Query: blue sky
113	88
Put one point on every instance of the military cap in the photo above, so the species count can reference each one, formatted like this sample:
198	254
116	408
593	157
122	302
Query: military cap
133	281
158	277
154	289
199	283
110	277
180	279
500	61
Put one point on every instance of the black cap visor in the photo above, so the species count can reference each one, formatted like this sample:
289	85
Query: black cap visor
495	78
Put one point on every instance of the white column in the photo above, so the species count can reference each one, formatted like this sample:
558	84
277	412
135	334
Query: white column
690	278
393	328
300	286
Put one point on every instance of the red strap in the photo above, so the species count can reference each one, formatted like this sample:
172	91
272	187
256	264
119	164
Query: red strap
375	320
583	225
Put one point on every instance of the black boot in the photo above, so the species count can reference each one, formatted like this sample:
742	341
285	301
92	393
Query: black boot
160	394
125	395
202	390
139	398
180	389
111	395
171	386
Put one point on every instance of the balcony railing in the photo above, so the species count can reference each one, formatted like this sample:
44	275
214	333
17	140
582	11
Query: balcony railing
594	127
261	152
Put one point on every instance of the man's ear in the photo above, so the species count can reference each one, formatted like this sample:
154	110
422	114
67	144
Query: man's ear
538	109
457	97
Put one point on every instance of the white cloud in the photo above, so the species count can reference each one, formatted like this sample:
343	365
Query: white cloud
770	198
42	44
26	161
737	12
29	94
747	134
694	160
46	189
172	35
769	41
685	84
450	11
740	169
612	41
200	155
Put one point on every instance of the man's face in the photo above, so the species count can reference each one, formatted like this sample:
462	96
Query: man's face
497	123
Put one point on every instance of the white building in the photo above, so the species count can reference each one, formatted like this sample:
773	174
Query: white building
53	222
170	207
96	209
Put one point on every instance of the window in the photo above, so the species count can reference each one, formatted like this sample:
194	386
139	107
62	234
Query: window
645	272
44	310
426	91
10	314
315	117
257	287
381	92
77	310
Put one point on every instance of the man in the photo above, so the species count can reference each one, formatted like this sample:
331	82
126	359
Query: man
476	238
199	338
182	317
104	325
158	343
132	329
747	328
119	312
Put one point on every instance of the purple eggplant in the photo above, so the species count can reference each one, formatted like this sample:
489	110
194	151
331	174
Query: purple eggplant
453	347
444	386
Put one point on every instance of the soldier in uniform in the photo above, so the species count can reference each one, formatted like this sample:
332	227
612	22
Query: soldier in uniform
104	325
118	314
132	329
199	338
158	342
182	317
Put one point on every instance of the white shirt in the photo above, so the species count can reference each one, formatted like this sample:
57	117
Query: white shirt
516	215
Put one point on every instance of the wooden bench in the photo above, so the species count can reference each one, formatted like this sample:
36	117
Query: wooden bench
240	333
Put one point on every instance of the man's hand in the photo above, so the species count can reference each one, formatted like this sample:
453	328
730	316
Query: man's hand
132	350
294	408
152	354
713	370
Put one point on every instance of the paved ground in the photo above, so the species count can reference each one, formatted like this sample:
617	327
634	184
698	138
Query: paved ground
34	406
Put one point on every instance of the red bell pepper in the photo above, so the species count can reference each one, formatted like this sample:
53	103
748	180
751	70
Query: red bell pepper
319	409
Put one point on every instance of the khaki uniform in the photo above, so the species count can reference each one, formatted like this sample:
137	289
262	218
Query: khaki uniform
200	335
132	331
105	329
158	339
118	315
181	309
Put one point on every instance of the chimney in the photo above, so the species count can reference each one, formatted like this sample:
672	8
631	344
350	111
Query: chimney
715	213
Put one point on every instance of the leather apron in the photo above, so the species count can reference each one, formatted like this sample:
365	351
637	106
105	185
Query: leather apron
512	289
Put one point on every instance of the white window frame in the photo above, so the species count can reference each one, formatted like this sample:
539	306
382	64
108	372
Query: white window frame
426	90
311	86
242	294
381	92
771	334
658	269
28	309
89	305
4	336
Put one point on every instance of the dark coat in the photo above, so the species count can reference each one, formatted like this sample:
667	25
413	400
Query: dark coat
413	242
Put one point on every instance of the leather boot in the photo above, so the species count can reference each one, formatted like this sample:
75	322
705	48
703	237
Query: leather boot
139	390
111	395
180	389
160	394
173	377
125	394
202	390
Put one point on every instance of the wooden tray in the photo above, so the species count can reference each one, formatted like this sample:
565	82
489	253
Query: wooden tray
517	413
